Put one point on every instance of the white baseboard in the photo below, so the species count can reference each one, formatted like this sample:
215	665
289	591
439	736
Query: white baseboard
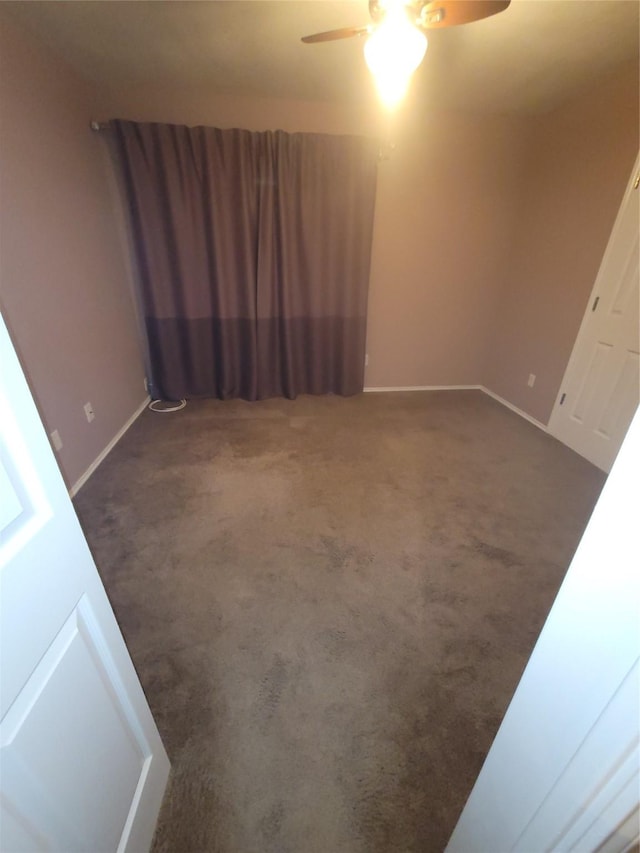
83	479
482	388
515	409
425	388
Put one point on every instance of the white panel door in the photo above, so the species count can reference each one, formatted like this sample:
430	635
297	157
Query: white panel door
600	389
82	767
563	772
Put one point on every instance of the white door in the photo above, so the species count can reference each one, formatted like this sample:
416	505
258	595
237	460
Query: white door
599	392
563	772
82	767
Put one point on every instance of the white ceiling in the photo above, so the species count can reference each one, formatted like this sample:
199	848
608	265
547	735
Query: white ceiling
526	59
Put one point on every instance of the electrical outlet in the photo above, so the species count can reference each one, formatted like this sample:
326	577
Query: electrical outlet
366	360
56	440
88	410
532	380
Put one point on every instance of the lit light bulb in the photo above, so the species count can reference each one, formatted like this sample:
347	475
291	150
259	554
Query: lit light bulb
393	52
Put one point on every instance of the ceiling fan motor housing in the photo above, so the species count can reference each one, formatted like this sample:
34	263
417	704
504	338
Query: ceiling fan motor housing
415	11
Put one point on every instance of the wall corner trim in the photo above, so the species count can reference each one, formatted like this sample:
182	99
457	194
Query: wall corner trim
73	491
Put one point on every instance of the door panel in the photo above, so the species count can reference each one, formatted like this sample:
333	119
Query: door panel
626	289
83	767
621	404
600	389
592	381
71	686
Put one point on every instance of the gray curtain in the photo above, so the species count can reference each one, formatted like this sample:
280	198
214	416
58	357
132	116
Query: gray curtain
253	252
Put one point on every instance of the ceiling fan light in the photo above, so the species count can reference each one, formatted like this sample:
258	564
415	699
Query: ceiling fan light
393	52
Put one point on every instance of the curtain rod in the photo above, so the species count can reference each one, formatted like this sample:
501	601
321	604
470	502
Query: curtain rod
385	150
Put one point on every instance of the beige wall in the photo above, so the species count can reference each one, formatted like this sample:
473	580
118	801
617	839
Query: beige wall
444	220
576	167
63	283
445	205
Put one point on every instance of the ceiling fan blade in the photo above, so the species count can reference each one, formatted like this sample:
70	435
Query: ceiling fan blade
450	13
333	35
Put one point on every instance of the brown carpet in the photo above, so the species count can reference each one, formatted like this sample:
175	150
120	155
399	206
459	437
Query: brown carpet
329	603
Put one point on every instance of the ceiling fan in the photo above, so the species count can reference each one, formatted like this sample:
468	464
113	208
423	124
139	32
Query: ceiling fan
424	14
396	41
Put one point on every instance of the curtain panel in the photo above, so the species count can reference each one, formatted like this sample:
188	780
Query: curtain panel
253	254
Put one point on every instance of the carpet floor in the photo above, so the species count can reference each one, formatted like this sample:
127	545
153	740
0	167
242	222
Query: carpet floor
329	603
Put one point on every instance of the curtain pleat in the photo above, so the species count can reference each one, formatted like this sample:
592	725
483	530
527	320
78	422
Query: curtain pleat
253	253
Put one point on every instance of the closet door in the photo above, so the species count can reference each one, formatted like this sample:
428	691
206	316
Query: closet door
600	389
